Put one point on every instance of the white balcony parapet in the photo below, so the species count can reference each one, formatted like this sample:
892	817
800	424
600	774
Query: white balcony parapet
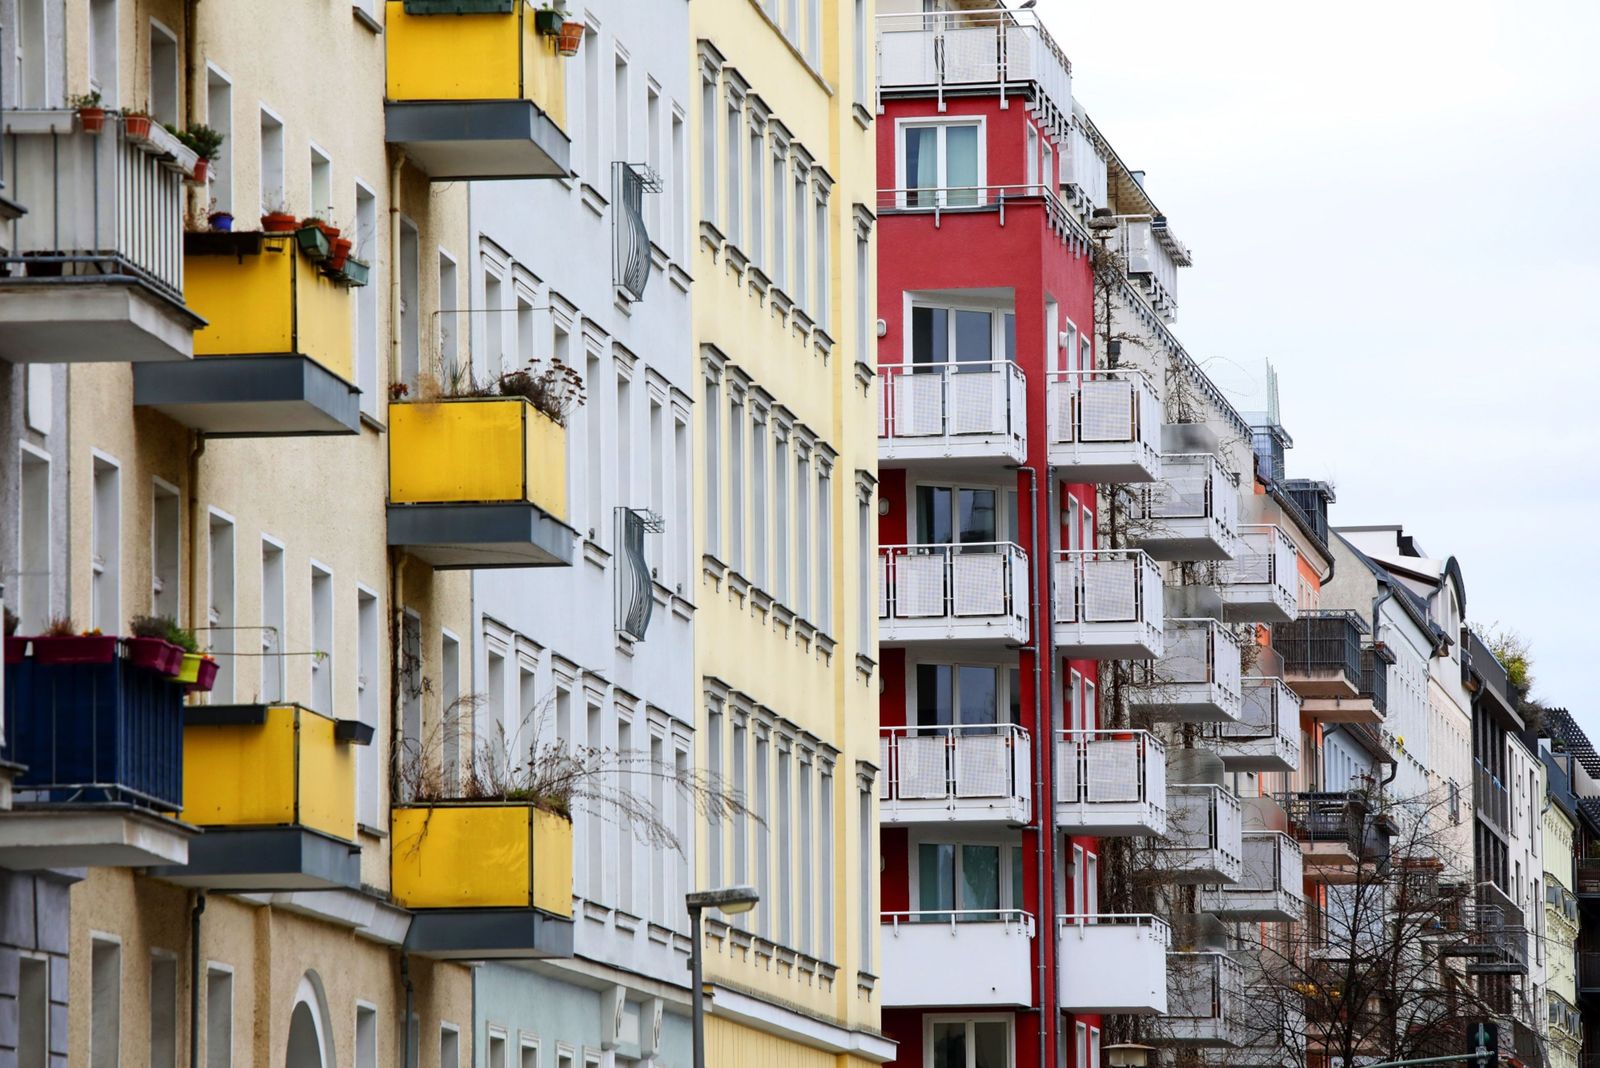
1191	514
1270	1031
1267	735
1205	994
1261	583
1153	255
1197	678
940	51
959	411
1108	605
965	957
1113	963
975	592
1271	887
1084	170
1111	783
1204	842
965	773
1105	426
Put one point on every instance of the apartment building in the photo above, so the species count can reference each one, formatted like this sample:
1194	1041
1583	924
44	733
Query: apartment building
1572	782
214	374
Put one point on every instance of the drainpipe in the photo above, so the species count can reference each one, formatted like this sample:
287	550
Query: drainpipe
394	266
195	528
194	978
405	1026
191	89
1045	750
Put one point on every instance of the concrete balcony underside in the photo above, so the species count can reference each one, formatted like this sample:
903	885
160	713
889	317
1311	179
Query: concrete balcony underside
488	934
92	319
457	140
262	859
77	836
455	536
277	395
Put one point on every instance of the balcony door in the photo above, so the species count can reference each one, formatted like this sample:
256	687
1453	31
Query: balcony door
967	695
973	518
968	882
945	334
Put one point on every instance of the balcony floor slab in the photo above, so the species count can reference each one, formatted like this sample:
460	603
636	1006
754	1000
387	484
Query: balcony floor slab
1341	710
263	859
92	319
473	535
488	934
274	395
457	140
82	836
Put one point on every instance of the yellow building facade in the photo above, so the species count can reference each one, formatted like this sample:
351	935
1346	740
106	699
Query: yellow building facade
783	189
1563	1028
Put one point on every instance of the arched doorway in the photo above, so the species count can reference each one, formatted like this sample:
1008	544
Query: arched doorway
310	1037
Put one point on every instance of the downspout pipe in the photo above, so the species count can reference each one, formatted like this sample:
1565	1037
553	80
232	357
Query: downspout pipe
1043	751
405	1026
194	978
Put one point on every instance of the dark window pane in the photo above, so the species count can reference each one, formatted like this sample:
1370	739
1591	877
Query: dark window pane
977	516
950	1045
930	335
980	877
990	1045
935	703
974	336
933	515
979	701
936	877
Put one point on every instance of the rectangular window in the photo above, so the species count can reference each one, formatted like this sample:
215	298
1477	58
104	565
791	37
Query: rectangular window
864	579
659	903
273	622
741	787
497	1050
652	158
806	855
33	79
779	213
366	1037
624	441
595	838
941	164
824	884
106	562
759	505
594	426
530	1054
677	186
708	150
163	74
273	195
783	899
864	331
411	677
591	58
365	318
321	184
219	1018
735	200
449	1047
34	543
713	471
780	523
219	116
163	1011
814	32
798	292
450	708
868	904
681	527
103	52
859	48
166	550
660	457
714	832
824	290
763	829
758	174
220	619
322	640
736	514
32	1013
824	551
621	145
447	318
802	534
494	333
681	829
368	786
105	1004
410	303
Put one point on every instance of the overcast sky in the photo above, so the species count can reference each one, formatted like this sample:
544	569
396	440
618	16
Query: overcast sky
1395	203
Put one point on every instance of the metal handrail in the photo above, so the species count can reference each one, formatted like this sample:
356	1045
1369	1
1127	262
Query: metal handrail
1262	717
1015	736
1145	604
1077	920
968	198
1013	556
954	918
1144	413
1321	640
1269	565
1151	755
1014	388
1215	498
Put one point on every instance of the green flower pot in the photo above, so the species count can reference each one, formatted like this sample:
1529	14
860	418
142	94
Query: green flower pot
356	272
313	242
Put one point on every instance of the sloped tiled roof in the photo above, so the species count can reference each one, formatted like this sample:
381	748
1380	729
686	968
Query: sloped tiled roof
1558	722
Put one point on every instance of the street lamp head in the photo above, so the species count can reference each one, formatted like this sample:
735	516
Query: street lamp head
729	899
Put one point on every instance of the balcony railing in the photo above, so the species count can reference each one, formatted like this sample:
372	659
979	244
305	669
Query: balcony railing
1205	992
970	773
1261	583
1321	653
957	957
1154	255
1267	735
1108	605
1491	939
974	592
1105	426
967	411
1119	963
1336	830
1191	514
1111	783
1588	876
1490	799
1197	678
630	254
1270	889
1204	841
964	50
1589	971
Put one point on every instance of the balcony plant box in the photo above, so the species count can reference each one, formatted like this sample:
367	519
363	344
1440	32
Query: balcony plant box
548	21
481	854
198	672
313	241
16	649
156	654
357	272
460	7
136	128
92	119
279	222
75	649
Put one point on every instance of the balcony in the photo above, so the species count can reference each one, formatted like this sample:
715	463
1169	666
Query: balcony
1269	890
1197	678
1492	938
974	593
1204	840
1009	52
1205	998
478	483
1105	427
1261	583
1491	801
1113	963
967	958
1321	653
957	774
99	743
1108	605
476	95
1153	256
1331	828
1267	735
274	788
1111	783
277	356
1588	877
93	271
487	880
952	411
1270	1032
1191	514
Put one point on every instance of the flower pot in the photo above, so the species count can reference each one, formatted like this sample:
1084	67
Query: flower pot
357	272
199	673
330	230
16	649
136	126
313	242
340	254
220	221
44	268
279	222
93	120
200	168
155	654
78	649
548	22
460	7
571	37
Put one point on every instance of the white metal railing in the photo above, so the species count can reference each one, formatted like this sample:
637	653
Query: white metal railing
1266	558
996	198
1107	586
963	49
1203	987
1015	919
932	402
1104	407
1106	767
1205	827
1273	861
1084	167
1152	251
954	763
1199	651
1159	928
1270	710
1193	486
968	581
98	204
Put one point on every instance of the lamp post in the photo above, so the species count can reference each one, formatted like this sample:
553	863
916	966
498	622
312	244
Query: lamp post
732	900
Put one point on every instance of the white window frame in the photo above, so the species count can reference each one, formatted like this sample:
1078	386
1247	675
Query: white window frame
929	1019
942	124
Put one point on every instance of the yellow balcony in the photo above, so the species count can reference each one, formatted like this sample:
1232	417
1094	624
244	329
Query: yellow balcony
487	879
276	358
274	788
479	95
478	482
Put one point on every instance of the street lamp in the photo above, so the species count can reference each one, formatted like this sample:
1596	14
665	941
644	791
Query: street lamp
729	899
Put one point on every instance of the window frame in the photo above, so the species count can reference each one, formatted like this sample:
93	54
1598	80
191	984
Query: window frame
941	199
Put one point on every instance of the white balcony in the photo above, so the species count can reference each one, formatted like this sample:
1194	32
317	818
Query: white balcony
1271	887
1270	1031
1197	678
1153	256
972	773
1113	963
94	269
1105	426
1205	998
961	959
952	411
1111	783
1267	736
1191	514
1261	583
1108	605
960	51
1204	839
973	593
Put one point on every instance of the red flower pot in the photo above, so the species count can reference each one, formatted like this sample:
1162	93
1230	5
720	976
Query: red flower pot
16	650
200	168
93	120
340	254
570	38
137	126
78	649
155	654
279	222
206	678
330	231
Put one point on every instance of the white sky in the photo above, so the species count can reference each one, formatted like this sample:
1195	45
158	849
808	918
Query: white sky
1395	203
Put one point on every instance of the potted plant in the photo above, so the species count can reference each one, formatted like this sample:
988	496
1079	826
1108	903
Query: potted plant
151	645
221	221
313	239
62	644
205	143
548	20
340	254
91	116
571	38
279	221
198	671
136	124
357	271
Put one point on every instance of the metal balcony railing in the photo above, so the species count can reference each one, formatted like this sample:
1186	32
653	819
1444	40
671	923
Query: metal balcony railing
1205	834
1098	408
1322	642
1203	995
1110	767
1490	798
1201	663
1107	586
98	204
956	918
1267	564
954	764
1270	717
1375	678
1335	817
962	50
967	581
630	234
1151	252
956	405
1193	486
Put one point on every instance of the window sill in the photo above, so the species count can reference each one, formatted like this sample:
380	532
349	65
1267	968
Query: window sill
865	666
682	607
366	19
679	277
594	200
372	422
865	374
595	553
862	114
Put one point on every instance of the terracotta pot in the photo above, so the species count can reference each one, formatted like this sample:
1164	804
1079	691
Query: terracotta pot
570	39
200	168
93	120
330	230
136	126
340	253
279	222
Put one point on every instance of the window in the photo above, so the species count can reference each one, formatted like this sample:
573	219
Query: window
941	164
321	183
34	542
33	79
594	425
368	786
780	523
497	1048
366	1037
660	457
681	829
951	515
105	1003
814	32
273	621
802	533
163	1011
741	786
864	578
322	640
106	561
592	58
867	904
859	47
659	902
783	900
735	136
780	218
824	291
449	288
678	186
621	146
763	829
624	437
451	710
103	52
163	74
652	158
410	685
960	877
494	301
801	201
944	334
758	505
713	472
681	528
736	513
864	325
806	855
708	147
824	884
220	619
273	195
32	1019
410	302
758	176
219	1018
595	838
166	555
714	767
449	1046
219	116
824	550
791	20
529	1053
951	694
366	297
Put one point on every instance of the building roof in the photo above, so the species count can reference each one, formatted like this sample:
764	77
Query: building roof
1558	723
1409	602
